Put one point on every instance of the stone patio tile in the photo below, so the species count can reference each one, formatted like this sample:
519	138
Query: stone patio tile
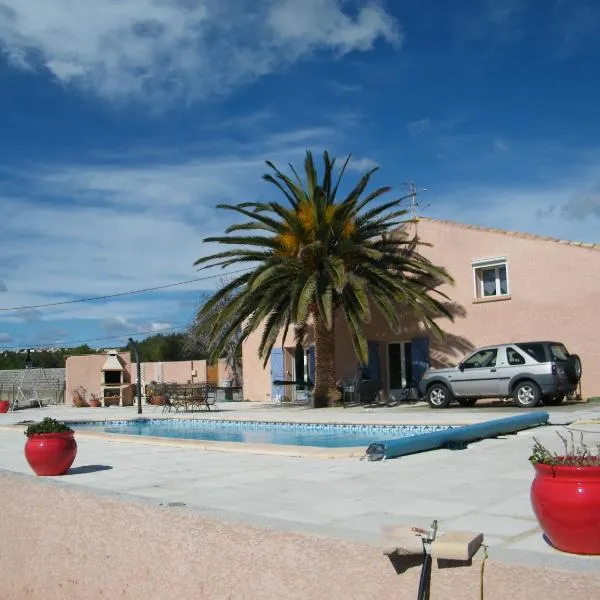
515	506
489	524
437	508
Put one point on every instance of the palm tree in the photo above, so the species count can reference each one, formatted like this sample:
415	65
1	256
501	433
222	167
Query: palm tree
316	255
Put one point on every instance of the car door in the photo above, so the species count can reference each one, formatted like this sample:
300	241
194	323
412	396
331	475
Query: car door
477	376
511	363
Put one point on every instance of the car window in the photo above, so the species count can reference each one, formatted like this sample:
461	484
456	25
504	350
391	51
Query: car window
514	357
536	351
483	358
559	352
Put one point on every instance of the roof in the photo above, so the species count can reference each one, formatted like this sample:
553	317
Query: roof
517	234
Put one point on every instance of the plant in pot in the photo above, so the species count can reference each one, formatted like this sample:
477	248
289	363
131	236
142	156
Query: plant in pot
79	394
50	448
565	495
94	401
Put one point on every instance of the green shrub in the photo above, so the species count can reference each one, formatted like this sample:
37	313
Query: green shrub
48	425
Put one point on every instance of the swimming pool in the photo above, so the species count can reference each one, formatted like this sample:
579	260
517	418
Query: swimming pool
319	435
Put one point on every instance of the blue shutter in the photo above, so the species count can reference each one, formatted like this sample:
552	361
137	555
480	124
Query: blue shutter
419	358
374	365
276	372
311	364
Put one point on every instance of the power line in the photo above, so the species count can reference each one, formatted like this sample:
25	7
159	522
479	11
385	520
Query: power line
140	291
98	339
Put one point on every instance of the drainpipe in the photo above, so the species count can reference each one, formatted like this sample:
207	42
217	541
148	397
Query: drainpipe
138	387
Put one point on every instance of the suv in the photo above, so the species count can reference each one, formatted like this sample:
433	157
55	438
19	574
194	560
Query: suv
528	372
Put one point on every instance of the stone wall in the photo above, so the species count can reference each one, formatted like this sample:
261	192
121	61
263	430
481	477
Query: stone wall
50	384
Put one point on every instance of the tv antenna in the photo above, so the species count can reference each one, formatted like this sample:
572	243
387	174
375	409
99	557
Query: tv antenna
415	205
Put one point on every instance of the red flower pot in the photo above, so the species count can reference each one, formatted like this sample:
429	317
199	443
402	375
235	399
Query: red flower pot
51	453
566	502
4	406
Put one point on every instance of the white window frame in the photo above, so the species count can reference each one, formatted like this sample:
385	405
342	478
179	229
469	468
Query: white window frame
485	264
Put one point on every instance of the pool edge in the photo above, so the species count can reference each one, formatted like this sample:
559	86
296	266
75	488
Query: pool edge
212	446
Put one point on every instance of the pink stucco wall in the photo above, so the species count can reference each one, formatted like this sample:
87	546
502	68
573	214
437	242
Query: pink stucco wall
86	371
181	371
554	294
60	544
257	379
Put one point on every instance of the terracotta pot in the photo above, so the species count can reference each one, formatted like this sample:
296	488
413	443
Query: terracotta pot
51	453
4	406
566	502
94	403
157	400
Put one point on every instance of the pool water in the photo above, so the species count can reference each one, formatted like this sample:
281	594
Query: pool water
258	432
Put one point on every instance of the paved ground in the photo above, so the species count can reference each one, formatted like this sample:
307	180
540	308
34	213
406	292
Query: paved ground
483	488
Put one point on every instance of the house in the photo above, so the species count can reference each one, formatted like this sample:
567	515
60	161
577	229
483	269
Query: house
111	376
509	287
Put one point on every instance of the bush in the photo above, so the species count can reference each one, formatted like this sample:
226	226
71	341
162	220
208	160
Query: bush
48	425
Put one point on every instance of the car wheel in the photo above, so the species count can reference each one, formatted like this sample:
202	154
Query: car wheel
573	369
527	394
466	402
552	400
438	396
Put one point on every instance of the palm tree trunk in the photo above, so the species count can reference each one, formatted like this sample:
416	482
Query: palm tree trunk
325	388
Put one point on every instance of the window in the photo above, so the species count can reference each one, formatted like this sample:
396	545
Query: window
481	359
559	352
536	351
491	278
514	357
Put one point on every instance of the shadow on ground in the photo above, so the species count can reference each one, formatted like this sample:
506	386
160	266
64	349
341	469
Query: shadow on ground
88	469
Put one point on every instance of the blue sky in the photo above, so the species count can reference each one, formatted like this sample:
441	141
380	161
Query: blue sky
124	123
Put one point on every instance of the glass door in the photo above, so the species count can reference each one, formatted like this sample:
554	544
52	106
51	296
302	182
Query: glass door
399	364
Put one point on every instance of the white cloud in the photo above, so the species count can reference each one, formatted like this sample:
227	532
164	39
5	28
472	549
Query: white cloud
419	127
362	164
6	338
538	209
28	315
582	205
158	49
130	227
501	146
52	335
123	326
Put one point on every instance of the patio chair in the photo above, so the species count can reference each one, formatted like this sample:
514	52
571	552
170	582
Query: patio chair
359	390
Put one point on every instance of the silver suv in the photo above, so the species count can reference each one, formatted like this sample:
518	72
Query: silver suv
528	372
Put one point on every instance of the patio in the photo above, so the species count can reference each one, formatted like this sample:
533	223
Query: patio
483	488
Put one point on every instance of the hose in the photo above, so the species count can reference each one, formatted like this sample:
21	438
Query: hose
485	557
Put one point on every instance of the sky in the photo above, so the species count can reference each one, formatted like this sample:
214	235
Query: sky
123	124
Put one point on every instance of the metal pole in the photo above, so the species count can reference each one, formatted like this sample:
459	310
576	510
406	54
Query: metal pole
138	387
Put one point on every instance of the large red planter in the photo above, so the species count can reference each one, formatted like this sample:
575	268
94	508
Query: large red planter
566	502
51	453
4	406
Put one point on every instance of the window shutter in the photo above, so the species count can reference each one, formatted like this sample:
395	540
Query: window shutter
419	358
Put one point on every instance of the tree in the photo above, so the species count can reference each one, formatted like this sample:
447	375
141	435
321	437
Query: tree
167	347
315	255
201	334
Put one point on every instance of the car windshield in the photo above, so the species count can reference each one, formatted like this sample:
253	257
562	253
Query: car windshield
559	352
